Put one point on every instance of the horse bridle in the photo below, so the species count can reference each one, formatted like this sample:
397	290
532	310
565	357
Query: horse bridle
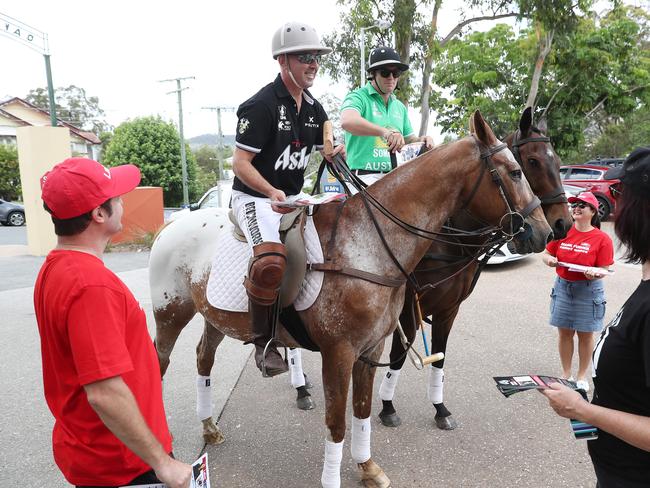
556	195
517	218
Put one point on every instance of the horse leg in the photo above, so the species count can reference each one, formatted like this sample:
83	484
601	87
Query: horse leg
299	380
440	330
170	321
363	375
205	350
388	414
337	369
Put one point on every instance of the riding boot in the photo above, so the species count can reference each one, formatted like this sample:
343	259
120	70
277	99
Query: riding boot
261	321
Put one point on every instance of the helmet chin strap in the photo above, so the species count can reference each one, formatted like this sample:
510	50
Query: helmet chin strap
376	85
286	59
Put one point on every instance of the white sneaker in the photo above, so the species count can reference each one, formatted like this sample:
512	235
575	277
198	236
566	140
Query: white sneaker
582	385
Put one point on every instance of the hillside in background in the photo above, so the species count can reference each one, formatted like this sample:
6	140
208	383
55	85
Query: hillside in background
210	140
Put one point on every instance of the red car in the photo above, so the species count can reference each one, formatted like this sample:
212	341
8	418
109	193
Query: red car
590	177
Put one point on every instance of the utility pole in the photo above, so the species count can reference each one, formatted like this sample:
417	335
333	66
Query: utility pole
178	91
219	145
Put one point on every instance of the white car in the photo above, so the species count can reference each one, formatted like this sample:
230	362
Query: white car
210	198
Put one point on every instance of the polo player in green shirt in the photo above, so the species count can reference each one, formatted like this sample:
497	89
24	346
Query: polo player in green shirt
375	122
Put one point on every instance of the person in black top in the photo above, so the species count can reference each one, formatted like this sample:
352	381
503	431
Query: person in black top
621	405
278	130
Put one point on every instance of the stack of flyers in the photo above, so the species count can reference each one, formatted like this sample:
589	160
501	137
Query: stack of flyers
509	385
305	201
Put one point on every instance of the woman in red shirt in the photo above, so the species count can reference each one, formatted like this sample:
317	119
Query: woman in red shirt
578	296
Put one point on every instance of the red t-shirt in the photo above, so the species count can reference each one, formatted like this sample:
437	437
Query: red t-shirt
593	248
92	328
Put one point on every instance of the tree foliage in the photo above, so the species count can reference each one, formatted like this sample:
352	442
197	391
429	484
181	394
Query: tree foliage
10	188
154	146
73	106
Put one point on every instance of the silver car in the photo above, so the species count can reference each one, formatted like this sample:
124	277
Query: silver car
11	213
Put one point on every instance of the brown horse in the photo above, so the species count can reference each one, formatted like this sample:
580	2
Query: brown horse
540	164
351	317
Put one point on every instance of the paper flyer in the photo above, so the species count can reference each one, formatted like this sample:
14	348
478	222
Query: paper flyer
312	200
579	268
200	476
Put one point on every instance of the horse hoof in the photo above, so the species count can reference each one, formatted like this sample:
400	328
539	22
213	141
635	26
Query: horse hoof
305	403
390	419
446	423
372	476
211	433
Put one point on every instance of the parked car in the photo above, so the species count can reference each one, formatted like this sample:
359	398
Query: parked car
590	178
209	199
11	213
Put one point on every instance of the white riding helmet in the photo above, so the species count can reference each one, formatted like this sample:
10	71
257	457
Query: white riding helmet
296	37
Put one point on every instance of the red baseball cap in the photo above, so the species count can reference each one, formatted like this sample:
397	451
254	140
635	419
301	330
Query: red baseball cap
586	197
78	185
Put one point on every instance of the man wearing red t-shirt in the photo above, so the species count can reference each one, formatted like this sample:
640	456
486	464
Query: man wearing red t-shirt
100	369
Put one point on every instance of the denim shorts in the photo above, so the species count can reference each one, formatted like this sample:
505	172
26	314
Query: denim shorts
578	305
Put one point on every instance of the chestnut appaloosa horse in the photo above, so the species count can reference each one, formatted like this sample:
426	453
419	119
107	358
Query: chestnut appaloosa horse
351	316
541	165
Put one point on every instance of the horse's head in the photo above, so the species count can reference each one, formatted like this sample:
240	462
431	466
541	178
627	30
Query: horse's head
504	198
541	165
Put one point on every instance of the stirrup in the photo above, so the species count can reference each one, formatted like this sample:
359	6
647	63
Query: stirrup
266	348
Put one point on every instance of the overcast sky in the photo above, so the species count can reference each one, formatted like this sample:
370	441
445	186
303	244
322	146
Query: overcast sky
118	51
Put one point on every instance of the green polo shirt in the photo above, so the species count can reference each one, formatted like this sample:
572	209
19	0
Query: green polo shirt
371	152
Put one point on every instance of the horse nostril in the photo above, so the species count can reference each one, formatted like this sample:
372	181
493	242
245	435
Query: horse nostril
549	237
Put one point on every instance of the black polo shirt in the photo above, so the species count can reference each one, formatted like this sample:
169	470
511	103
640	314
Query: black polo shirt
282	139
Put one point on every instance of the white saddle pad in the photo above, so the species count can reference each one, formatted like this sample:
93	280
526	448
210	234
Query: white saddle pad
225	289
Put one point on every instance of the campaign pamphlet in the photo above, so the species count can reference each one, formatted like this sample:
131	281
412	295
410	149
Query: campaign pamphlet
509	385
579	268
408	152
305	201
200	476
200	472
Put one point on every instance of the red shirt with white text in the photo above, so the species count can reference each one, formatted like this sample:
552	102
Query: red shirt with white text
592	248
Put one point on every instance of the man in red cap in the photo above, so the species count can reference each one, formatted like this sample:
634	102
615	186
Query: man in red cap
100	369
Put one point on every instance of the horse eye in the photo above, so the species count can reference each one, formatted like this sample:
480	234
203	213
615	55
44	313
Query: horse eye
533	162
516	174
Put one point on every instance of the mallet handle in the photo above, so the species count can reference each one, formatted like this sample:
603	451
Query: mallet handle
328	138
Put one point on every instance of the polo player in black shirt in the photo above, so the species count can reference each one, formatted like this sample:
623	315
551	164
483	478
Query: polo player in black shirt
278	130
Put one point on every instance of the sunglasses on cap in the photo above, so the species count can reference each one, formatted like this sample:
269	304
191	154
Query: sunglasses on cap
308	58
579	205
387	72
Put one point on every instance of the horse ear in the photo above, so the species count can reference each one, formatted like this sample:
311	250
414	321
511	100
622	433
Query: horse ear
482	130
543	125
526	121
472	130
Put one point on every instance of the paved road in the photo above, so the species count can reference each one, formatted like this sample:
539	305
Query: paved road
500	330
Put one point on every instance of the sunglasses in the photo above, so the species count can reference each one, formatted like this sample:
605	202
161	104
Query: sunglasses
579	205
387	72
308	58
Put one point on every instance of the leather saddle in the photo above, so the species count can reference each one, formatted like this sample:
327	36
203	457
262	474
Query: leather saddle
292	229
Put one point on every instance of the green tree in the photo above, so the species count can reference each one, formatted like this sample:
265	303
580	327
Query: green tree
10	188
154	146
73	106
207	157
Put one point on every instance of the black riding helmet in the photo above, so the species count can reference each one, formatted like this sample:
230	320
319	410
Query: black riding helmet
383	56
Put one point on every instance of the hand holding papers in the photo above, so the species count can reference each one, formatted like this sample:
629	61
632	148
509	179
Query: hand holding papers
509	385
311	200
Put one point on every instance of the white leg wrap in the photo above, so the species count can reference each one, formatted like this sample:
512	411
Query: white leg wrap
436	384
388	384
203	397
331	477
360	447
295	368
